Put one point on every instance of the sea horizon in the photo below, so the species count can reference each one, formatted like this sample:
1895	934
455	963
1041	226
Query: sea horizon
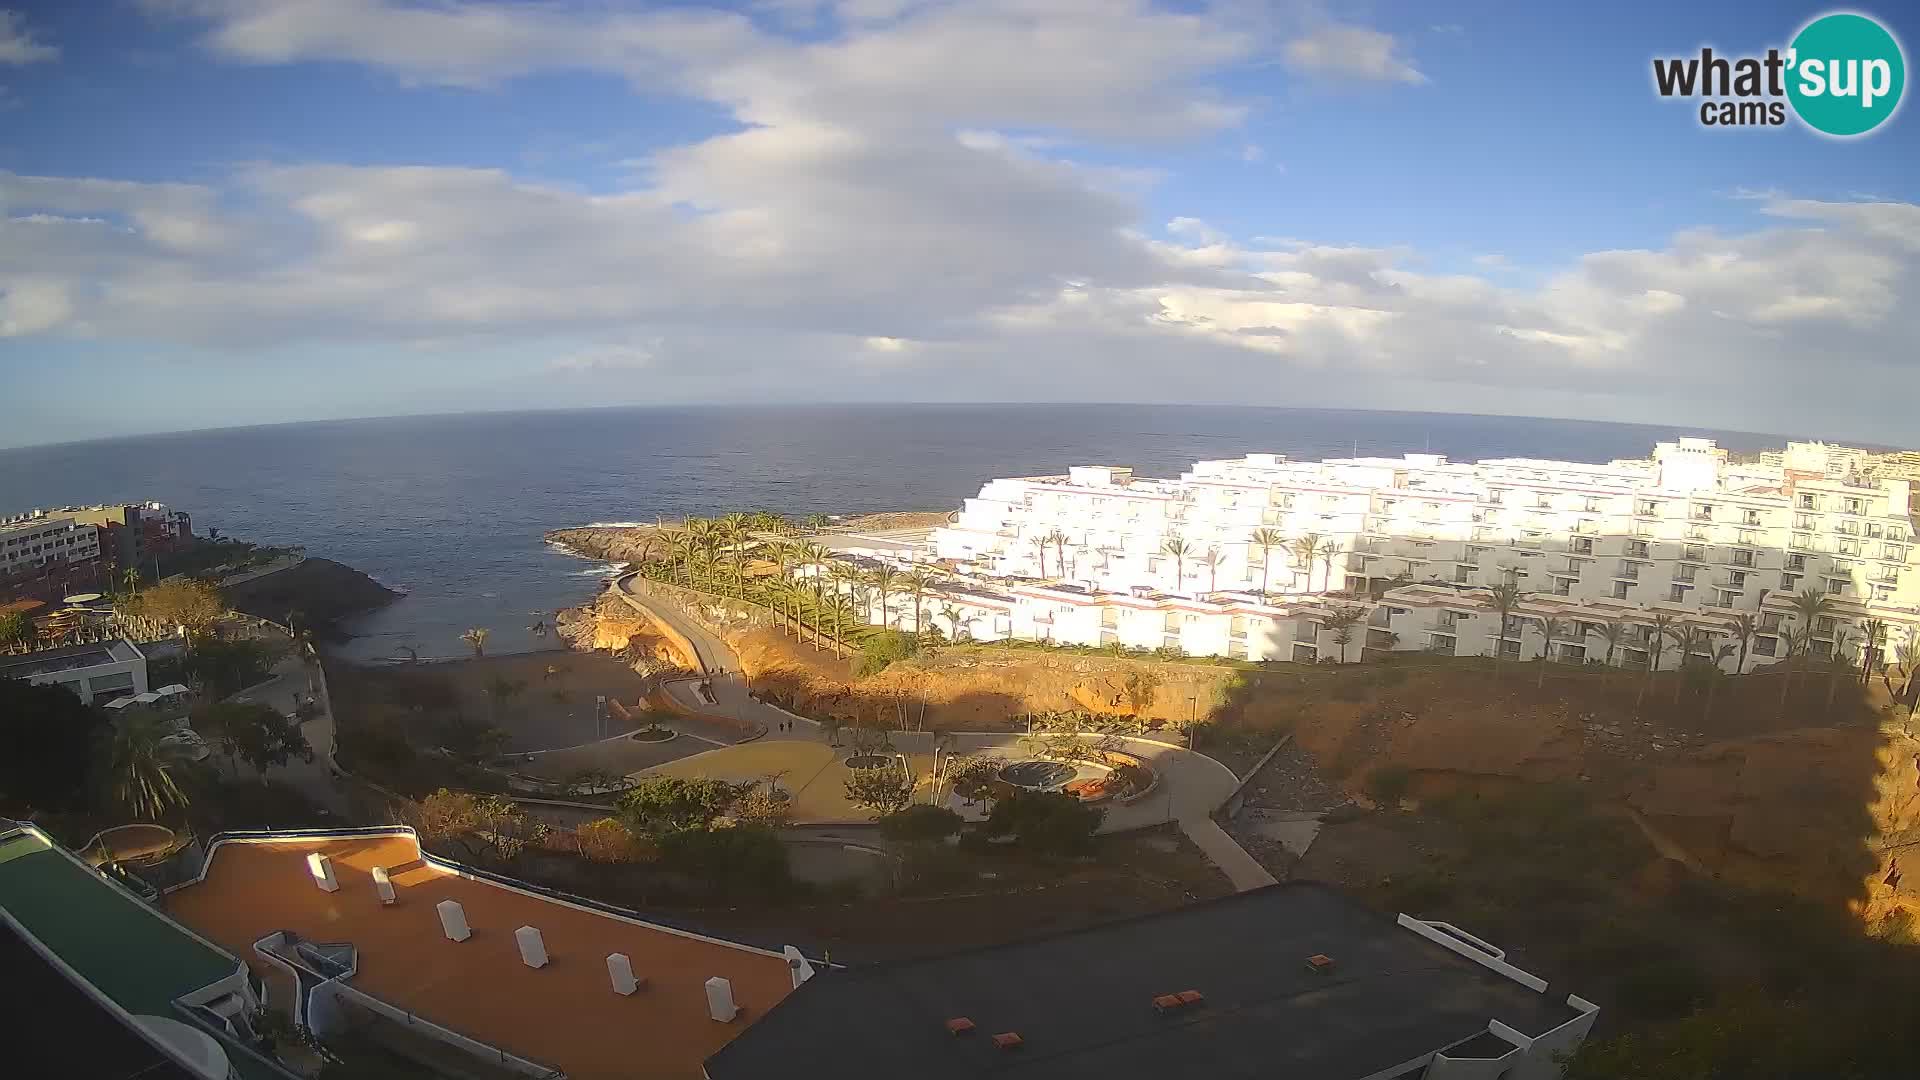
451	508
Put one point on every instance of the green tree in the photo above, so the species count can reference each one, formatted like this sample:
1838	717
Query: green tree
225	665
1040	543
662	805
476	638
1140	686
917	580
1211	559
816	522
884	791
972	777
1179	549
883	578
1809	607
15	628
1614	632
139	765
46	747
1661	631
482	828
744	861
1342	620
254	733
1059	541
1506	596
195	605
1551	630
130	580
1746	627
882	648
1306	548
1329	550
1266	540
1045	821
920	824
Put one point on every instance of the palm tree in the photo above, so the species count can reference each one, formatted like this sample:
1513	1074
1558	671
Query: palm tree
130	577
818	559
1873	635
959	623
1691	641
847	578
1551	628
1266	540
1845	640
1662	630
1809	607
477	638
1746	627
1305	549
1326	552
736	533
1613	632
883	577
1505	596
1179	549
142	780
1211	560
1040	550
816	522
680	547
1059	540
917	579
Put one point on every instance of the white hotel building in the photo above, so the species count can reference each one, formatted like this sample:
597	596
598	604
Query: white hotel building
1685	532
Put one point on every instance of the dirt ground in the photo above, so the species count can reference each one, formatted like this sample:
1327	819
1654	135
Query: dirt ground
552	704
1132	874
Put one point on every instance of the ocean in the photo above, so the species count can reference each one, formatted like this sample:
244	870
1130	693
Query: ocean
450	509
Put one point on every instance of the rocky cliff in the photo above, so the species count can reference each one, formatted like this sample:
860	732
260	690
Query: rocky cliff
613	543
321	590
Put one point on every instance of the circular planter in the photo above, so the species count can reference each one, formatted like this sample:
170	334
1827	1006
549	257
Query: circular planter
869	761
652	735
1037	775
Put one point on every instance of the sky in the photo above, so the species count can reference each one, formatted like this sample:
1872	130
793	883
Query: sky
223	212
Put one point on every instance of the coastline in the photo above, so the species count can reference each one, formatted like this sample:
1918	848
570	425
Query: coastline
624	541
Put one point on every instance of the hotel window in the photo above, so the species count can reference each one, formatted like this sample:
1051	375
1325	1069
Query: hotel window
1789	582
1893	553
1648	507
1460	574
1562	586
1592	505
1751	517
1836	586
1694	552
1824	626
1796	562
1703	512
1497	496
1809	502
1764	646
1850	506
1849	547
1684	573
1677	594
1637	549
1543	502
1882	592
1619	590
1742	557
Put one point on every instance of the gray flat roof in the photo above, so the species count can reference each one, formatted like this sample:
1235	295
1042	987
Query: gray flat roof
1082	1002
66	658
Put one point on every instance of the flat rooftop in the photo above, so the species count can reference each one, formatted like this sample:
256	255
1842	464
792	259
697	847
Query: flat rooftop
564	1015
66	658
1082	1002
69	1028
115	941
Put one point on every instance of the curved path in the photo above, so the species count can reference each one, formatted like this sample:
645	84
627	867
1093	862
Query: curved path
1192	785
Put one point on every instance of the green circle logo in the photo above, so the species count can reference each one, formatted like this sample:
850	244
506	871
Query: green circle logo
1845	74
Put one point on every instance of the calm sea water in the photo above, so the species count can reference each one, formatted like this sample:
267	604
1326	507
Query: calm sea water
450	509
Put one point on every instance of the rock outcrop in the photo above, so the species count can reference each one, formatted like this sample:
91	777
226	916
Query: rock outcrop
321	590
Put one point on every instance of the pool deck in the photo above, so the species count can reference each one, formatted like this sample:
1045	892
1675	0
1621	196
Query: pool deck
564	1015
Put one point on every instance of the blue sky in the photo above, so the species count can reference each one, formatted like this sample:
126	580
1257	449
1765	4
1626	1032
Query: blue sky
371	206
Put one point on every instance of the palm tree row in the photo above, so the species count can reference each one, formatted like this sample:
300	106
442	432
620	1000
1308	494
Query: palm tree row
829	605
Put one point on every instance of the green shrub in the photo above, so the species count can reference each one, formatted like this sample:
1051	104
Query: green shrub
920	824
744	861
882	649
1045	821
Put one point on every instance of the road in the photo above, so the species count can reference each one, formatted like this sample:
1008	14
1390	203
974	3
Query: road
1191	785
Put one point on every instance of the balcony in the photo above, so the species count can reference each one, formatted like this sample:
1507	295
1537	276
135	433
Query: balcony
1627	572
1736	582
1441	645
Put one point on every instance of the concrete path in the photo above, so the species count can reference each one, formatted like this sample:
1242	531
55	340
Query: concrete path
1231	858
284	692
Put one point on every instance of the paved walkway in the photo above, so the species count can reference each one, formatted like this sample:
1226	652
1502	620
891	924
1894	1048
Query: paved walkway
284	692
1192	785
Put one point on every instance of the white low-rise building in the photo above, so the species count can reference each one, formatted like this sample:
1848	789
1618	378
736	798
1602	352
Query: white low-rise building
1262	557
104	670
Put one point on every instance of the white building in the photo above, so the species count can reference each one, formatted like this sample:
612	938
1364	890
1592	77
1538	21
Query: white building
30	542
104	670
1099	556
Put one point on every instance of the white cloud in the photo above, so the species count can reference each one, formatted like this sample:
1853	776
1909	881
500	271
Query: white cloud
1251	153
889	218
1353	52
18	44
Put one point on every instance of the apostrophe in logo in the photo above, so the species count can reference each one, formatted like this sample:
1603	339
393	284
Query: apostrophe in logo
1847	73
1843	75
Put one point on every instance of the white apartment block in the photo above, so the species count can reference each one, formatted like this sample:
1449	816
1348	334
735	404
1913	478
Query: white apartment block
1086	557
31	542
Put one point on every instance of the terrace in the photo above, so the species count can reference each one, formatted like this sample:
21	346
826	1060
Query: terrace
564	1014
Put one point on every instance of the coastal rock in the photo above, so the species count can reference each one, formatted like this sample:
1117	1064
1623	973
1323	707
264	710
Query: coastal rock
321	590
